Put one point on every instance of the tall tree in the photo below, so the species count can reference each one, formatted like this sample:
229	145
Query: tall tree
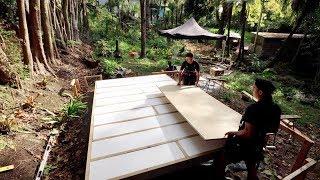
148	13
74	12
230	6
243	16
143	28
304	9
85	19
24	36
221	19
47	33
65	11
37	43
258	27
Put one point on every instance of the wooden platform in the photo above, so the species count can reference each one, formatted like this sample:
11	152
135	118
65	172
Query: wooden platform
135	130
208	116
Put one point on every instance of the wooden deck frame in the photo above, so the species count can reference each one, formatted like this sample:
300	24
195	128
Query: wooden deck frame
155	170
300	173
86	78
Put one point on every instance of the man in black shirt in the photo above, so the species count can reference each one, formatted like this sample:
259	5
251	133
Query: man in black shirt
189	72
247	143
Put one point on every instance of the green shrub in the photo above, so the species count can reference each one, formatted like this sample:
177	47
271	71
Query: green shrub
74	108
104	48
109	66
73	43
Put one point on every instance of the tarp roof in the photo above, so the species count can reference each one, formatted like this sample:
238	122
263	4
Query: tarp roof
190	30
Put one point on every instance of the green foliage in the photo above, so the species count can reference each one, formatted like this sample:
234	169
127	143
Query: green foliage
8	9
228	96
5	142
103	48
275	16
109	66
145	66
73	43
284	95
74	108
48	168
13	52
257	65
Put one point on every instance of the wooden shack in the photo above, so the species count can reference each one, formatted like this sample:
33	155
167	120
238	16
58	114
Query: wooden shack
268	43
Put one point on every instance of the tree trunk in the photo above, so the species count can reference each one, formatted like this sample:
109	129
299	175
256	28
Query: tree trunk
243	16
230	6
57	26
74	11
258	27
176	11
221	21
24	36
71	11
85	19
143	28
147	9
37	44
47	33
65	11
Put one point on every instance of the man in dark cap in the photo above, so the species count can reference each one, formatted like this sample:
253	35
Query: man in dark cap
247	143
189	71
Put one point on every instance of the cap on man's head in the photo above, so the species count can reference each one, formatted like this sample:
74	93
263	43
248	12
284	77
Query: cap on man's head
189	54
265	86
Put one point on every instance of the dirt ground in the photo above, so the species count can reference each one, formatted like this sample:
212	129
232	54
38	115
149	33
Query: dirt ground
24	146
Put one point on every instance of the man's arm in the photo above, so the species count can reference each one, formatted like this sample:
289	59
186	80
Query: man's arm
198	77
180	73
245	133
197	73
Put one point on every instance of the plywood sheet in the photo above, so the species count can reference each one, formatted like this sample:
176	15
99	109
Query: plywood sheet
118	93
126	127
165	108
135	162
130	105
128	98
195	146
132	81
120	88
123	115
211	118
121	144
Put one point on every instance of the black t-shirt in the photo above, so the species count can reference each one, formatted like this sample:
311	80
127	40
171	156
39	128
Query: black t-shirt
171	68
265	117
190	67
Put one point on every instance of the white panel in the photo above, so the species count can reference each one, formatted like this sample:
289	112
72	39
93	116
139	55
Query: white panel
141	139
165	108
124	164
129	98
132	81
118	93
123	115
196	145
126	87
136	125
130	105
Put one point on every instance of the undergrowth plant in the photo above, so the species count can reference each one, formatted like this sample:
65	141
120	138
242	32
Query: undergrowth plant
74	108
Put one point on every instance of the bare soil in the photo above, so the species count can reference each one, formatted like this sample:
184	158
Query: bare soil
25	144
